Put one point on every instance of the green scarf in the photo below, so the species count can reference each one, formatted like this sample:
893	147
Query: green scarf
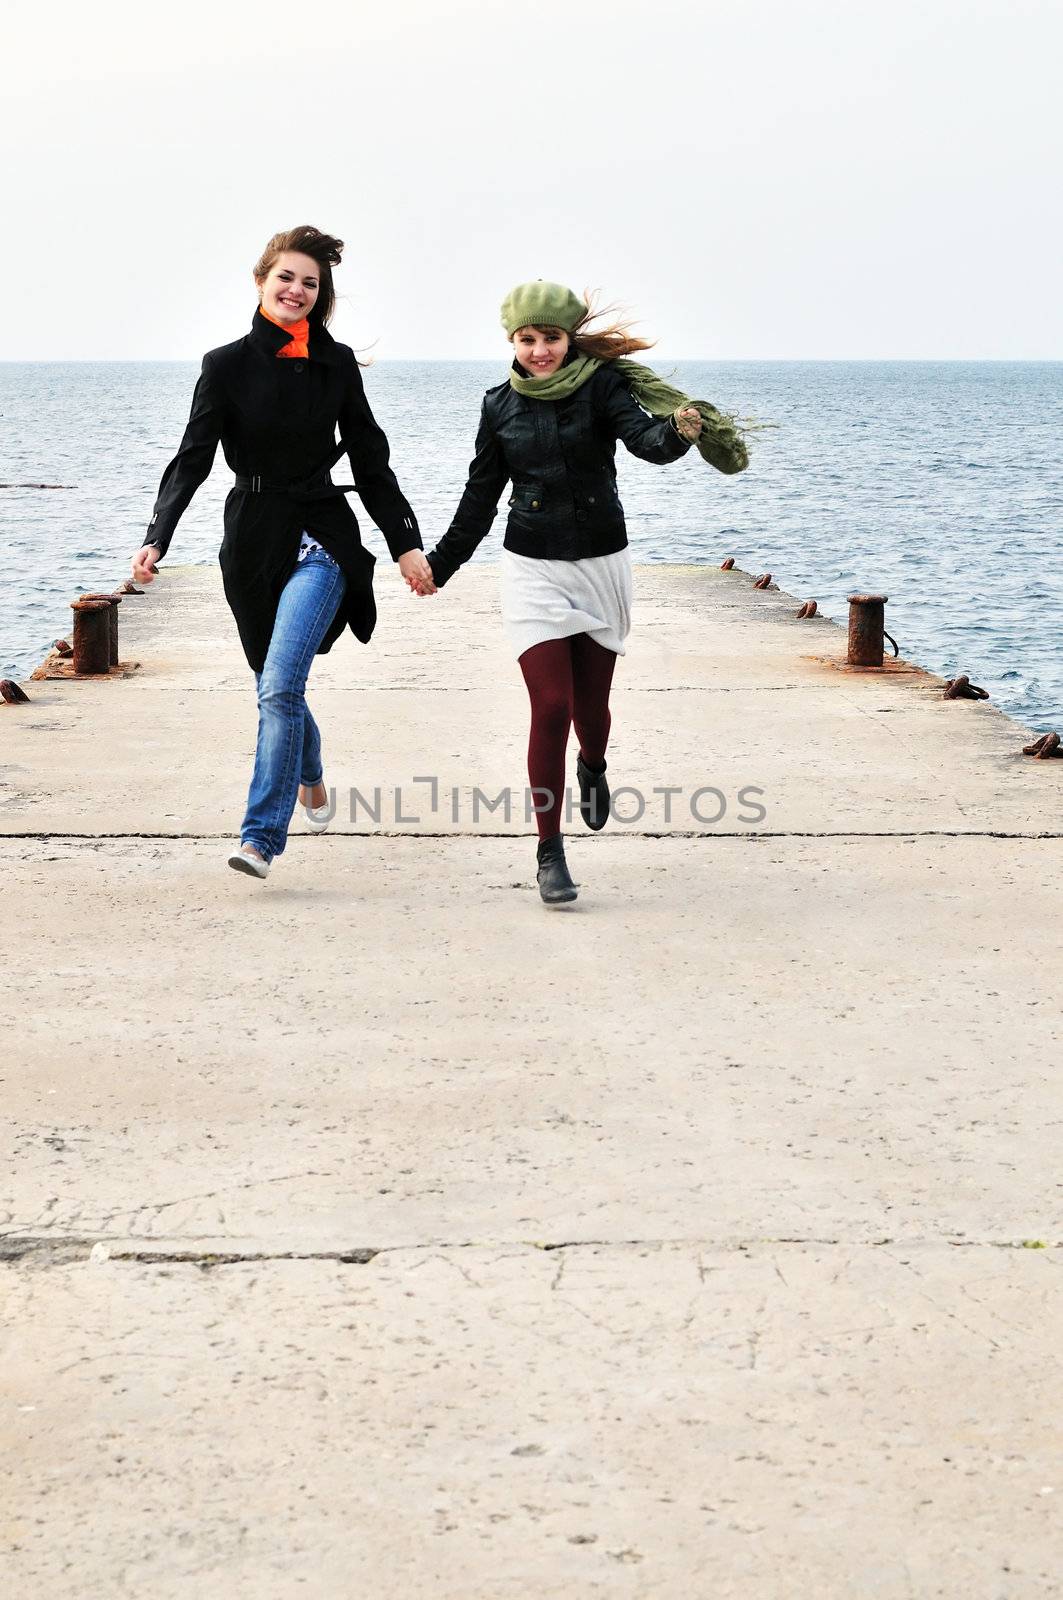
720	441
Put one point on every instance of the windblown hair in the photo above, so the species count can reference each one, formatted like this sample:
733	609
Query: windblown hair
608	342
322	248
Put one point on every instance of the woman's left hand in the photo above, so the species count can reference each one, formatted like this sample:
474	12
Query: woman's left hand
688	422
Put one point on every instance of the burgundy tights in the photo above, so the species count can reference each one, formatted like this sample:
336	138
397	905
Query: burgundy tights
568	683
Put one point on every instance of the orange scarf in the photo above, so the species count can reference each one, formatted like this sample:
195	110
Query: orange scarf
300	334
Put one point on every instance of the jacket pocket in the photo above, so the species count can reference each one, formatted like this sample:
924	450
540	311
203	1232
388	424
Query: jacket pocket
597	501
528	497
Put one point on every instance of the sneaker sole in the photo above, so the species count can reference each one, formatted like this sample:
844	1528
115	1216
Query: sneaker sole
240	863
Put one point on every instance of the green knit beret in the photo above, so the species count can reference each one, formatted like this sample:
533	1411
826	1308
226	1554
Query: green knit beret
541	305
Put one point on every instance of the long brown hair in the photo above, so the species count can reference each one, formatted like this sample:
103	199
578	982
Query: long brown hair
320	247
605	343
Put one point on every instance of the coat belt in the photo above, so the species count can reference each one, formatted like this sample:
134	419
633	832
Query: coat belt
256	484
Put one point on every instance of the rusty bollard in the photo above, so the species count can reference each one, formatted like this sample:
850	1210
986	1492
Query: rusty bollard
808	609
725	566
1044	748
113	601
92	635
866	629
963	689
763	582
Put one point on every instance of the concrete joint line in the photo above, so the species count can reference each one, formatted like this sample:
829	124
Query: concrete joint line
628	833
16	1250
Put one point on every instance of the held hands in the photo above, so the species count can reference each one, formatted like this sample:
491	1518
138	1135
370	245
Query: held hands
688	423
144	563
413	565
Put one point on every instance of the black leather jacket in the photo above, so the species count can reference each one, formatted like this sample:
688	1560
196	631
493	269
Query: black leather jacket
560	456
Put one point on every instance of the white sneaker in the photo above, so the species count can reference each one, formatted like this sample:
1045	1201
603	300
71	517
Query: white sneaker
318	817
242	861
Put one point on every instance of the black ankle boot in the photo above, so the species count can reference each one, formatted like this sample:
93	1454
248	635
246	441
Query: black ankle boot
593	794
555	880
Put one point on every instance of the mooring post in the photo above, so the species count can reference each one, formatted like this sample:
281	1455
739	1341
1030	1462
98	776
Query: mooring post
113	601
866	629
92	634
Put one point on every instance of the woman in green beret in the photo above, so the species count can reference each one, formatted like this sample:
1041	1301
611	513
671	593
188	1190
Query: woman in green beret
552	429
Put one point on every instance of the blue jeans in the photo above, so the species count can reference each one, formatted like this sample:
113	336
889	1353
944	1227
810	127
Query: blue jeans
289	744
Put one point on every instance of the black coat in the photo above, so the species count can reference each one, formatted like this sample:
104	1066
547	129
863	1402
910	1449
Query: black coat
560	455
276	420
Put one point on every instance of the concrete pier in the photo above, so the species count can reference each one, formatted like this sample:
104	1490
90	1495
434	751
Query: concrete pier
375	1231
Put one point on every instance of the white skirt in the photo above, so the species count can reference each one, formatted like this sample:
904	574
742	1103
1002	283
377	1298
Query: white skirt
555	599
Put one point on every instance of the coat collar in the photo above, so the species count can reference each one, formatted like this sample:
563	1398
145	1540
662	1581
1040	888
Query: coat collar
266	336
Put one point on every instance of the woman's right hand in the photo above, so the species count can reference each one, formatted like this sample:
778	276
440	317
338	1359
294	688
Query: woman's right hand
144	563
688	423
414	567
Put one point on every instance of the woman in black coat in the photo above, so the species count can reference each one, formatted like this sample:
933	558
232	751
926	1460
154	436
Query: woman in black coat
294	569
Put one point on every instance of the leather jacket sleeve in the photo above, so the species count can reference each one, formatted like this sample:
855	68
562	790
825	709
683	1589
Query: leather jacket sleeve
651	438
488	476
191	465
369	456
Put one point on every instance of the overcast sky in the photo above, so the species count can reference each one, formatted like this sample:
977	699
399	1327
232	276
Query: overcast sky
777	179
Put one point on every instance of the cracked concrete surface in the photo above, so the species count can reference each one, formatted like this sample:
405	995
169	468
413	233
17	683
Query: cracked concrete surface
726	1081
375	1231
638	1421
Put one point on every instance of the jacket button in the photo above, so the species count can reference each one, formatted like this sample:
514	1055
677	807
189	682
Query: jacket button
581	516
590	499
535	505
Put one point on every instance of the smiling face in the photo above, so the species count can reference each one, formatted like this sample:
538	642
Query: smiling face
290	288
540	351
